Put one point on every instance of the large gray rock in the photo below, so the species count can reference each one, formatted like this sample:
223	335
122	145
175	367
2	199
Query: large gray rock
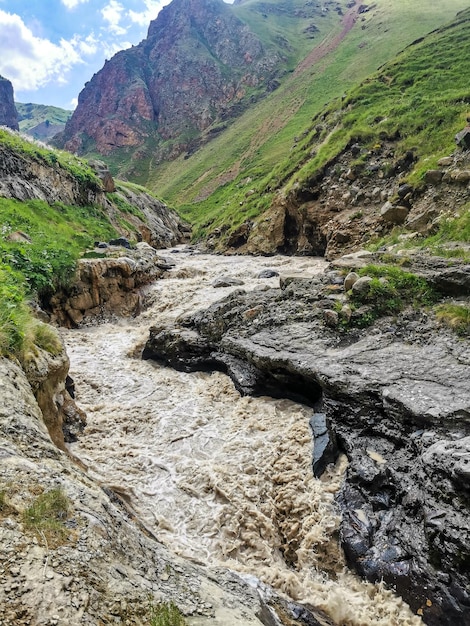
392	394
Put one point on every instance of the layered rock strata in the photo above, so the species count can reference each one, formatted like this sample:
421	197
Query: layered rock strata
393	396
108	287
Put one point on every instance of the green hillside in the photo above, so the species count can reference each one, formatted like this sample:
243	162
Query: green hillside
40	242
233	177
30	115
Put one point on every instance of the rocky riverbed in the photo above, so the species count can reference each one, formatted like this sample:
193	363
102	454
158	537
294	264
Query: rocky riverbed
394	396
192	486
222	479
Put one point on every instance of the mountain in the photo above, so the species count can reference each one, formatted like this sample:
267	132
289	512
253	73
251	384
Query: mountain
8	113
198	63
180	114
41	121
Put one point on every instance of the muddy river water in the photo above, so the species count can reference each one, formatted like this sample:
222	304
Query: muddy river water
220	479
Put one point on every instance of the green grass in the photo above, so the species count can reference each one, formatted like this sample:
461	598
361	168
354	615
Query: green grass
272	142
455	316
166	614
391	290
58	234
451	228
46	517
30	115
79	168
15	316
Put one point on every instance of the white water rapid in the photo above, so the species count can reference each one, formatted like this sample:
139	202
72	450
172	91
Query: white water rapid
219	478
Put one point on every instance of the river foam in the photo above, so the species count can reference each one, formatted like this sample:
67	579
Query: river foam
220	479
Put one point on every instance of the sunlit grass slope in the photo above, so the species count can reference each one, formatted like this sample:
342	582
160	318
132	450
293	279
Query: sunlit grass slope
232	178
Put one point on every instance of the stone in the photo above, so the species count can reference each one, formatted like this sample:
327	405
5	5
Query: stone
433	177
325	450
362	285
330	317
460	176
267	273
446	161
227	281
395	214
350	279
462	138
120	241
103	173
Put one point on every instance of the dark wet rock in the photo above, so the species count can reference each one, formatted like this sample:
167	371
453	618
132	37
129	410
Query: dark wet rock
120	241
396	397
268	273
325	450
227	281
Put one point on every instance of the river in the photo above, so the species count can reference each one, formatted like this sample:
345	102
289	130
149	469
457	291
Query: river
220	479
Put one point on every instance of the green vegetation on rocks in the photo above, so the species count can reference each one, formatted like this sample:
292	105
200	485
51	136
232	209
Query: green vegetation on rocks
46	516
418	100
166	614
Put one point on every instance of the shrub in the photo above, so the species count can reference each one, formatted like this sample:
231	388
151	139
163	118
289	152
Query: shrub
46	516
455	316
166	614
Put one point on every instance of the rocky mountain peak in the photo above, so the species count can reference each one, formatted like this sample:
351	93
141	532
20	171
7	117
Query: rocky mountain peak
195	65
8	113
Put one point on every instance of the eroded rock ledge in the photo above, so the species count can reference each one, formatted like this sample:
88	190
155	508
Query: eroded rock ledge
107	287
396	396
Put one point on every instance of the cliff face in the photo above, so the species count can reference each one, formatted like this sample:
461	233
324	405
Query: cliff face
24	177
8	113
198	61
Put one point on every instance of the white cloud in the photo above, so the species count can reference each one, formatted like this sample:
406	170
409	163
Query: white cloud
71	4
144	17
87	46
32	62
112	13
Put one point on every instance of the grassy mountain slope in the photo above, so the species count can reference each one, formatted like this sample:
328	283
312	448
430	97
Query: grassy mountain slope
230	179
30	115
41	121
40	242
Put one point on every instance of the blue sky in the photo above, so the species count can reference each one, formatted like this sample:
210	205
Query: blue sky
50	48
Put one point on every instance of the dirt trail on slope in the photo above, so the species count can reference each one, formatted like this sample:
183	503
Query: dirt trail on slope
329	45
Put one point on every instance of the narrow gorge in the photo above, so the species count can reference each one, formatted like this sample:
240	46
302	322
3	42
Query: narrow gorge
221	479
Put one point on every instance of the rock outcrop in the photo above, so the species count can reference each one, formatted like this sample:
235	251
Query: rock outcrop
25	176
197	62
108	287
393	396
8	113
346	205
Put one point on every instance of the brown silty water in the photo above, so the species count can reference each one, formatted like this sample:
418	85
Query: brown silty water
220	479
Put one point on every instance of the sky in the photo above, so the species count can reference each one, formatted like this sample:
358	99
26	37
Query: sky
49	49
